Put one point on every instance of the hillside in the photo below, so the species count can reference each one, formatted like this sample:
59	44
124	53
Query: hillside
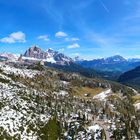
131	77
91	73
49	104
88	72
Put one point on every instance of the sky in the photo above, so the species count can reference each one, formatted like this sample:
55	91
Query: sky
85	28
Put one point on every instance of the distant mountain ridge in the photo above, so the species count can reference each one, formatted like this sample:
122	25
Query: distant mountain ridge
115	59
108	60
114	63
110	67
8	56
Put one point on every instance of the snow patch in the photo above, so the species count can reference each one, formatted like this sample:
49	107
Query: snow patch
63	93
102	95
137	106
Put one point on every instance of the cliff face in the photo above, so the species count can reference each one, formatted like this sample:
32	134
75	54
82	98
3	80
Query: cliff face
35	52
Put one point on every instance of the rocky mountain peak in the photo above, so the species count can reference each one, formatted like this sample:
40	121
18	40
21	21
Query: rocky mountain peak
50	50
35	52
50	55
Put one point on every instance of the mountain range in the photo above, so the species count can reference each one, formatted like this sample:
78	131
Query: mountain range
49	56
108	68
111	64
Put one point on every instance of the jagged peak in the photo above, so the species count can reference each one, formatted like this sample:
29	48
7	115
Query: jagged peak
33	47
50	49
49	55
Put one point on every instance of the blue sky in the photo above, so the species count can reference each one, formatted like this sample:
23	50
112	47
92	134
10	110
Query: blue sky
88	28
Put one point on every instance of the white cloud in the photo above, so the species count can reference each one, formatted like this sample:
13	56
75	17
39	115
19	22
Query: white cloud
72	39
44	37
14	37
7	40
75	45
60	34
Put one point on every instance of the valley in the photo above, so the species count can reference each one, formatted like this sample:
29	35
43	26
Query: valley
70	70
51	104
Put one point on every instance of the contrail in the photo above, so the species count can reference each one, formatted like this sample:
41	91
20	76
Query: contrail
104	6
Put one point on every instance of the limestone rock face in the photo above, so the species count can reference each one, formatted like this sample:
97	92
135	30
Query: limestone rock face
35	52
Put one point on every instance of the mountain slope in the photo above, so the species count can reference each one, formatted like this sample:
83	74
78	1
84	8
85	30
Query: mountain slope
76	69
51	104
131	77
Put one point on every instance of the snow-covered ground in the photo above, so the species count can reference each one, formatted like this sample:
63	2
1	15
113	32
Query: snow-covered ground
137	106
49	59
15	107
63	93
16	114
96	129
23	109
16	71
103	95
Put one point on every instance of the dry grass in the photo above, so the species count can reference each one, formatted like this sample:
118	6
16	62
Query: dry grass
80	92
114	96
136	99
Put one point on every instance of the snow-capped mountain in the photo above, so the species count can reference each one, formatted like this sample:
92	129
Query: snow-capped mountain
111	59
115	59
50	55
50	52
8	56
113	63
58	57
77	58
